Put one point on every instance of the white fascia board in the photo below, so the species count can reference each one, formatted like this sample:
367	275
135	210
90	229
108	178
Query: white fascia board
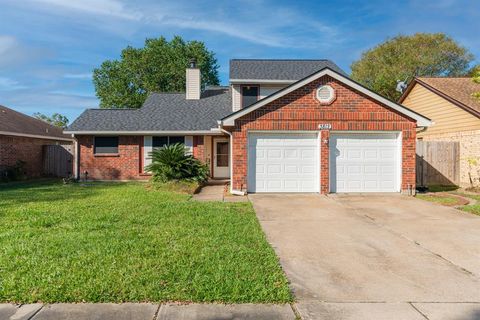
261	81
421	120
15	134
141	133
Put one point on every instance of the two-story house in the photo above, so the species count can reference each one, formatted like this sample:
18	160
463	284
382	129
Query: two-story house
280	126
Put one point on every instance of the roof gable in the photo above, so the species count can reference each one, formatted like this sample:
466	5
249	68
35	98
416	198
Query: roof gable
421	120
455	90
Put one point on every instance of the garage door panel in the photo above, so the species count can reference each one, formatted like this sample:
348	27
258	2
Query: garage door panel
364	162
291	153
291	163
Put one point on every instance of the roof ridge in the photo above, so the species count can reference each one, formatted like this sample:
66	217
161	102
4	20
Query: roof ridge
444	77
259	59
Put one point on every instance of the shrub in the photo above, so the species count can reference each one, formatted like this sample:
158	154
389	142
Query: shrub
13	173
172	162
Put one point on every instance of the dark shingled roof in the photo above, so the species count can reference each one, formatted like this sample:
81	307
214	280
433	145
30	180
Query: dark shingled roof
265	69
161	112
16	122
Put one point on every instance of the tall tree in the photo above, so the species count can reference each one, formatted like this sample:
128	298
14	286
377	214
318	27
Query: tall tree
476	78
56	119
404	57
157	67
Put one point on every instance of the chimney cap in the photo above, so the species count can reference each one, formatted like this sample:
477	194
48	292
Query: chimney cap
192	63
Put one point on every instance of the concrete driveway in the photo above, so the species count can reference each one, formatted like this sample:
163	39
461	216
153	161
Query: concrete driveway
375	256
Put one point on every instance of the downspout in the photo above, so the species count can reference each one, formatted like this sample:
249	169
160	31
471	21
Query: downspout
76	160
232	191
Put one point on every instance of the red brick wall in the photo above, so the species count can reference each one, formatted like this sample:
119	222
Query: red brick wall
199	148
14	148
299	110
126	165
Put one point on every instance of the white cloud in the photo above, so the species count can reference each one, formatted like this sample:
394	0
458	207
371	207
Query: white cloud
7	84
282	27
111	8
78	75
6	43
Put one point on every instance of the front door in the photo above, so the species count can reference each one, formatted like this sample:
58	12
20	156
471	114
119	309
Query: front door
221	155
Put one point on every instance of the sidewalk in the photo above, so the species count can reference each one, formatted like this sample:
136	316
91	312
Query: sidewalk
217	190
145	311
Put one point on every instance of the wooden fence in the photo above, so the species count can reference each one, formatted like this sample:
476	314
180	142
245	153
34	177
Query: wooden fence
438	163
58	160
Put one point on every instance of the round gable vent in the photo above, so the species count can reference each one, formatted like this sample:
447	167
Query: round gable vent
325	94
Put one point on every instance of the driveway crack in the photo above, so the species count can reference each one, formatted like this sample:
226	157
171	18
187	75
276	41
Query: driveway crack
416	309
398	234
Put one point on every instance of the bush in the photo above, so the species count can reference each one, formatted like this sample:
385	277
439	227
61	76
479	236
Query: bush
13	173
172	162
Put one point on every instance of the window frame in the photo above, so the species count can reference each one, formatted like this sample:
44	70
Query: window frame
241	94
105	153
168	141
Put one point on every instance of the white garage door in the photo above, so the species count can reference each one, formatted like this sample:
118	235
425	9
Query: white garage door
283	163
365	162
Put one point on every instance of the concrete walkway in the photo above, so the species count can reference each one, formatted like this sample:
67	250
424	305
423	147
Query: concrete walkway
215	190
145	311
375	256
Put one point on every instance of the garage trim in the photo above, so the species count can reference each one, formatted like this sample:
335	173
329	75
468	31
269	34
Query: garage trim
399	157
317	134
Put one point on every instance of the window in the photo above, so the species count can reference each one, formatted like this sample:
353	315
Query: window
325	94
105	145
222	154
158	142
249	95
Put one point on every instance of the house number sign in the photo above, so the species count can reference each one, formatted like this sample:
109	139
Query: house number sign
325	126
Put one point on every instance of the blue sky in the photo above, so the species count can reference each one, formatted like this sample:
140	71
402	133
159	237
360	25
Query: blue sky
48	48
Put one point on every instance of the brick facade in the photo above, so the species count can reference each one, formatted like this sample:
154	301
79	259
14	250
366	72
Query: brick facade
199	148
126	165
300	110
29	150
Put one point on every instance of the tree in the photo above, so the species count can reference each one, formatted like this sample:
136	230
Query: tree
475	74
157	67
56	119
404	57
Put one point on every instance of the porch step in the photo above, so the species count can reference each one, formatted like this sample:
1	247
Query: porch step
217	182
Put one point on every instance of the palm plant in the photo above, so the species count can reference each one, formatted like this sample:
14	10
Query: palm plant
173	162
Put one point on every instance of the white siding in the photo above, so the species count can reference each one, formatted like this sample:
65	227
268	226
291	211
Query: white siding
236	97
189	144
147	148
193	84
265	91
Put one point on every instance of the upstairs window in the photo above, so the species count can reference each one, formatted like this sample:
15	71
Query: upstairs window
158	142
105	145
249	95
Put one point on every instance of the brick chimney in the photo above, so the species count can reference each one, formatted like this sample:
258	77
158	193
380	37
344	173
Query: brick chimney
193	81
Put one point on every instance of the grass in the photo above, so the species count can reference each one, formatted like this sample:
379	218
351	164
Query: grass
441	188
186	187
121	242
443	199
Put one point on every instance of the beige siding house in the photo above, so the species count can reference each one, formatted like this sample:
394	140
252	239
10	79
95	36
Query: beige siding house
456	116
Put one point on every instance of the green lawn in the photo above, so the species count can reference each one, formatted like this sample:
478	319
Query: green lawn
123	242
440	199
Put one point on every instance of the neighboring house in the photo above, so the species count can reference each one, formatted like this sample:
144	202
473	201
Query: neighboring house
23	137
456	116
281	126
